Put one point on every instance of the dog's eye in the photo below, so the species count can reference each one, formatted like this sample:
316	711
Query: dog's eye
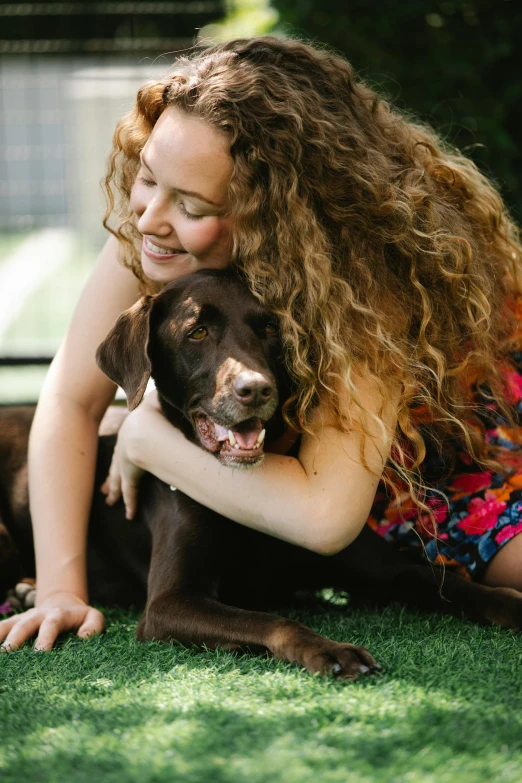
271	328
199	333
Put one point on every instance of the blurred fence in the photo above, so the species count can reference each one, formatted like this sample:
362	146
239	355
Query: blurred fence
146	27
57	120
68	72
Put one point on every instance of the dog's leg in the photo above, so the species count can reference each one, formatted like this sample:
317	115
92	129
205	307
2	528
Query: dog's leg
190	547
202	621
373	569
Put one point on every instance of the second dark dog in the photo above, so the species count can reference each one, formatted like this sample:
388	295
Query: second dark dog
215	356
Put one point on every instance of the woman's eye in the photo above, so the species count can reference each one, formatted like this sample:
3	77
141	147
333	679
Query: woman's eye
271	329
190	215
199	334
147	182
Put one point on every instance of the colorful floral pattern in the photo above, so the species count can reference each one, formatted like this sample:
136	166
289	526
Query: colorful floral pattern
476	512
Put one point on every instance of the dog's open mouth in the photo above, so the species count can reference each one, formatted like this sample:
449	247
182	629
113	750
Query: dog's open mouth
240	443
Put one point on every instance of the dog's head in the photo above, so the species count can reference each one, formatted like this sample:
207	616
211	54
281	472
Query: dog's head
215	355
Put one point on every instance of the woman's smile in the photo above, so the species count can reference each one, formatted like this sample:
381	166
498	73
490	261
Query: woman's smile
159	252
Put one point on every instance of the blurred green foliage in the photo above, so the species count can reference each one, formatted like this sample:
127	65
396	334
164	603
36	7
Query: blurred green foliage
456	65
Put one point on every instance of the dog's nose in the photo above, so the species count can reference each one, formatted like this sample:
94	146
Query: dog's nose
252	388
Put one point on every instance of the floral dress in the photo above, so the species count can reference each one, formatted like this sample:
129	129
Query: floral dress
476	511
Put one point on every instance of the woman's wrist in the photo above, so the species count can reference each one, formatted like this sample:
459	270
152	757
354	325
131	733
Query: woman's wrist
143	429
69	579
55	594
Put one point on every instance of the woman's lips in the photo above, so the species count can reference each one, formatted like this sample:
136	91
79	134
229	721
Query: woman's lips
147	249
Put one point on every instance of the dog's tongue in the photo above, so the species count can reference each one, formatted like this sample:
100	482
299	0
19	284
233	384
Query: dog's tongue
246	433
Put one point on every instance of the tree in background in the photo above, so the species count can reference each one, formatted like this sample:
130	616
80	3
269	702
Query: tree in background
456	65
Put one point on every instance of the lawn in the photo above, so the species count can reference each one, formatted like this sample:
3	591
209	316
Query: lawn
446	708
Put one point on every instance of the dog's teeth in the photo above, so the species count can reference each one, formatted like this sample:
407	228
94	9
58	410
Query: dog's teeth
260	439
232	438
236	446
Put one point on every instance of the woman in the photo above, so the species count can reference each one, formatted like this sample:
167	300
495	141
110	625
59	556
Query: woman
389	260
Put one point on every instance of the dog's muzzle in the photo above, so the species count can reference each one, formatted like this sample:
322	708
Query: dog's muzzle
237	445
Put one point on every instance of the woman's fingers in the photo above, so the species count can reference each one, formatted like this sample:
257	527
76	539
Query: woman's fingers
114	480
124	476
111	487
24	626
93	623
50	629
130	498
49	622
5	627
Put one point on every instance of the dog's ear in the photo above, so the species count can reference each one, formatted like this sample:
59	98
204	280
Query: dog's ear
123	355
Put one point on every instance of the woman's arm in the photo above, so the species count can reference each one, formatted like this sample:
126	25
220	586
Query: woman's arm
319	501
62	455
63	443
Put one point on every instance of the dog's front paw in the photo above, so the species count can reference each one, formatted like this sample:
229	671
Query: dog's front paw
342	660
295	642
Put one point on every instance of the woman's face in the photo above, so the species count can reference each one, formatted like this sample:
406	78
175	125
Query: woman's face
180	198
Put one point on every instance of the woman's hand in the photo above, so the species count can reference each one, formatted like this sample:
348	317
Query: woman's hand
56	614
124	475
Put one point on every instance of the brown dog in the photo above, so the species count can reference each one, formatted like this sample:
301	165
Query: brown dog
216	358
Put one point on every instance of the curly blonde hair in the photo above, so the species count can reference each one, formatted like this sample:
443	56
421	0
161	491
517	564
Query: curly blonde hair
384	252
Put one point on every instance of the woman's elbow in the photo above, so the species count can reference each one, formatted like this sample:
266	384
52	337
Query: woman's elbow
331	534
328	548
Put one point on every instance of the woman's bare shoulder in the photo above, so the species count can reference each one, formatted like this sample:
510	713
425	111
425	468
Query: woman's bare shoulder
369	402
111	279
368	429
74	374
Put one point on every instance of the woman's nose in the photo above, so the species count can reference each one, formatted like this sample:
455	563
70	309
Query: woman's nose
154	219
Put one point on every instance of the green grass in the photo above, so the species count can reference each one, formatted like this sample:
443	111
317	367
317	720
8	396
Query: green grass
447	708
